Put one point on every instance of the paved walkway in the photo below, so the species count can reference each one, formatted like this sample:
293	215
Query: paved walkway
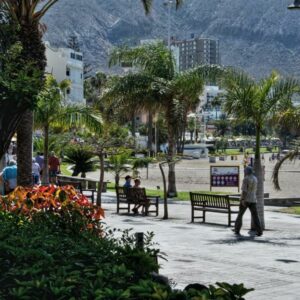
208	253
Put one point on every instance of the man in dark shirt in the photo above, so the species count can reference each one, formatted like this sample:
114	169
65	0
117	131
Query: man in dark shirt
54	167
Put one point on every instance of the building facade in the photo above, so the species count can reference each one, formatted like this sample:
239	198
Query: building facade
194	52
65	63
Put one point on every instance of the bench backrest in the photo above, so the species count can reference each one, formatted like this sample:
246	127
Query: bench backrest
130	194
217	201
76	184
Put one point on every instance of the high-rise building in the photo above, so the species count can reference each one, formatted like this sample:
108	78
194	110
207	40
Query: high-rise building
65	63
194	52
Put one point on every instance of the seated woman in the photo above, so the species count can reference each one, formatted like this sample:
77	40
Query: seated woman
139	196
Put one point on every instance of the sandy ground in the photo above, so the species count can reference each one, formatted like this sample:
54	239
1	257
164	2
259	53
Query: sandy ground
193	175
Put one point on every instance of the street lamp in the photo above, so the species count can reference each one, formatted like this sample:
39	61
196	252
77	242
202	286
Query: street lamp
169	4
295	5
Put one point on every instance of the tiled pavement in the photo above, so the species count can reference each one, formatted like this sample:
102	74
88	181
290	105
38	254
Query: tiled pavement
208	253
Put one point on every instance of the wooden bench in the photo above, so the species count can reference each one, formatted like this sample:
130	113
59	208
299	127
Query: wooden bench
212	203
89	193
132	196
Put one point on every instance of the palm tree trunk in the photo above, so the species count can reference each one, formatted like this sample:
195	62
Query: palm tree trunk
9	121
150	137
260	193
24	149
166	214
260	181
45	177
172	192
101	180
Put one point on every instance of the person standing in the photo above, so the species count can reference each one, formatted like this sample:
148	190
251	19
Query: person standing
35	171
40	160
248	200
9	176
54	167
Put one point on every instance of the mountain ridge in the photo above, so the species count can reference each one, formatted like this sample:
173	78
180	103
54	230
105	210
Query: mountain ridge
254	35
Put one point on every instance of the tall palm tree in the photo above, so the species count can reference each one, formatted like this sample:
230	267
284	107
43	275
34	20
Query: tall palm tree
157	86
247	99
27	15
50	110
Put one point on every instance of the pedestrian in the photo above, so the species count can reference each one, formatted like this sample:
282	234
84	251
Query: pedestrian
54	167
40	160
35	171
248	200
9	176
127	183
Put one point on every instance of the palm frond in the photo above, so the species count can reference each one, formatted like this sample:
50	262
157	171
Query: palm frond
78	116
292	155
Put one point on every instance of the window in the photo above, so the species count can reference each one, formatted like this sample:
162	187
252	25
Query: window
73	55
68	91
79	57
68	71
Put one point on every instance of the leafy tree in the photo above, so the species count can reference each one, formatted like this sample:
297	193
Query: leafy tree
156	86
119	164
51	111
18	80
254	101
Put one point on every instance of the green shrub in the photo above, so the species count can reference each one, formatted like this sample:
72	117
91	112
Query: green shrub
41	260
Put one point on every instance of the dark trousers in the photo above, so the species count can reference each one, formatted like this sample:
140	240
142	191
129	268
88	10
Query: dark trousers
253	210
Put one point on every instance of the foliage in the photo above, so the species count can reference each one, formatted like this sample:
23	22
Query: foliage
81	157
82	265
71	209
118	163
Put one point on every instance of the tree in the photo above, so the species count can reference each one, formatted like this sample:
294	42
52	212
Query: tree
82	158
50	110
156	85
26	14
246	99
18	80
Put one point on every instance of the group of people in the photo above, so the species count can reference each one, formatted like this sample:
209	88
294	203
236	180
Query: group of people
8	176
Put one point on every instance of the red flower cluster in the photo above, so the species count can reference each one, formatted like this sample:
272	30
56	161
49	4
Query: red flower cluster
27	201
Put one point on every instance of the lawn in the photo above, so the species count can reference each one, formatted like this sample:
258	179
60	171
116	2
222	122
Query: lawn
292	210
248	150
185	196
64	169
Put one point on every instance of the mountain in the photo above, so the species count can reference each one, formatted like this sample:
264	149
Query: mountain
256	35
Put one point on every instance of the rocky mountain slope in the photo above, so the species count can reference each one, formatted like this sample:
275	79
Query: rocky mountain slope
257	35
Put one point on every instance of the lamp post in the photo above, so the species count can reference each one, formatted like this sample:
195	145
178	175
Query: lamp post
295	5
169	4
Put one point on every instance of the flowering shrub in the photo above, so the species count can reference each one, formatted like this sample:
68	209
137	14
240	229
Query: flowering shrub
64	202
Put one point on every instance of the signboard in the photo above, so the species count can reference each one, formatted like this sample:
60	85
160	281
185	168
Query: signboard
225	176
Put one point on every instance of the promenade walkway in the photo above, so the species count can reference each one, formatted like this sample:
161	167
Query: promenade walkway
207	253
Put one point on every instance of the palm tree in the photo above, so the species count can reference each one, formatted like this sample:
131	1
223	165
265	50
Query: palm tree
27	15
246	99
51	111
156	86
82	158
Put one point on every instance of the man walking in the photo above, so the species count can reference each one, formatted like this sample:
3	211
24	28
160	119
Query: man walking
248	200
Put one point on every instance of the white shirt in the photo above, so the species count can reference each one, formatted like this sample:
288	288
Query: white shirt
249	187
36	168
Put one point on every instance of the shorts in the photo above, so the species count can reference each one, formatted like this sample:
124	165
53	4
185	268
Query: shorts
53	173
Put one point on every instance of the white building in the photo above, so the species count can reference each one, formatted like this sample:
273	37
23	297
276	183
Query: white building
208	110
65	63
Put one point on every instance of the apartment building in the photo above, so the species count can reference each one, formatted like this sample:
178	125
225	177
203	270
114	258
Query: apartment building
65	63
195	51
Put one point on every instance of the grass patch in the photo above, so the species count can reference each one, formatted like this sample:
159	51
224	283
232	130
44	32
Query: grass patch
291	210
64	169
249	150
